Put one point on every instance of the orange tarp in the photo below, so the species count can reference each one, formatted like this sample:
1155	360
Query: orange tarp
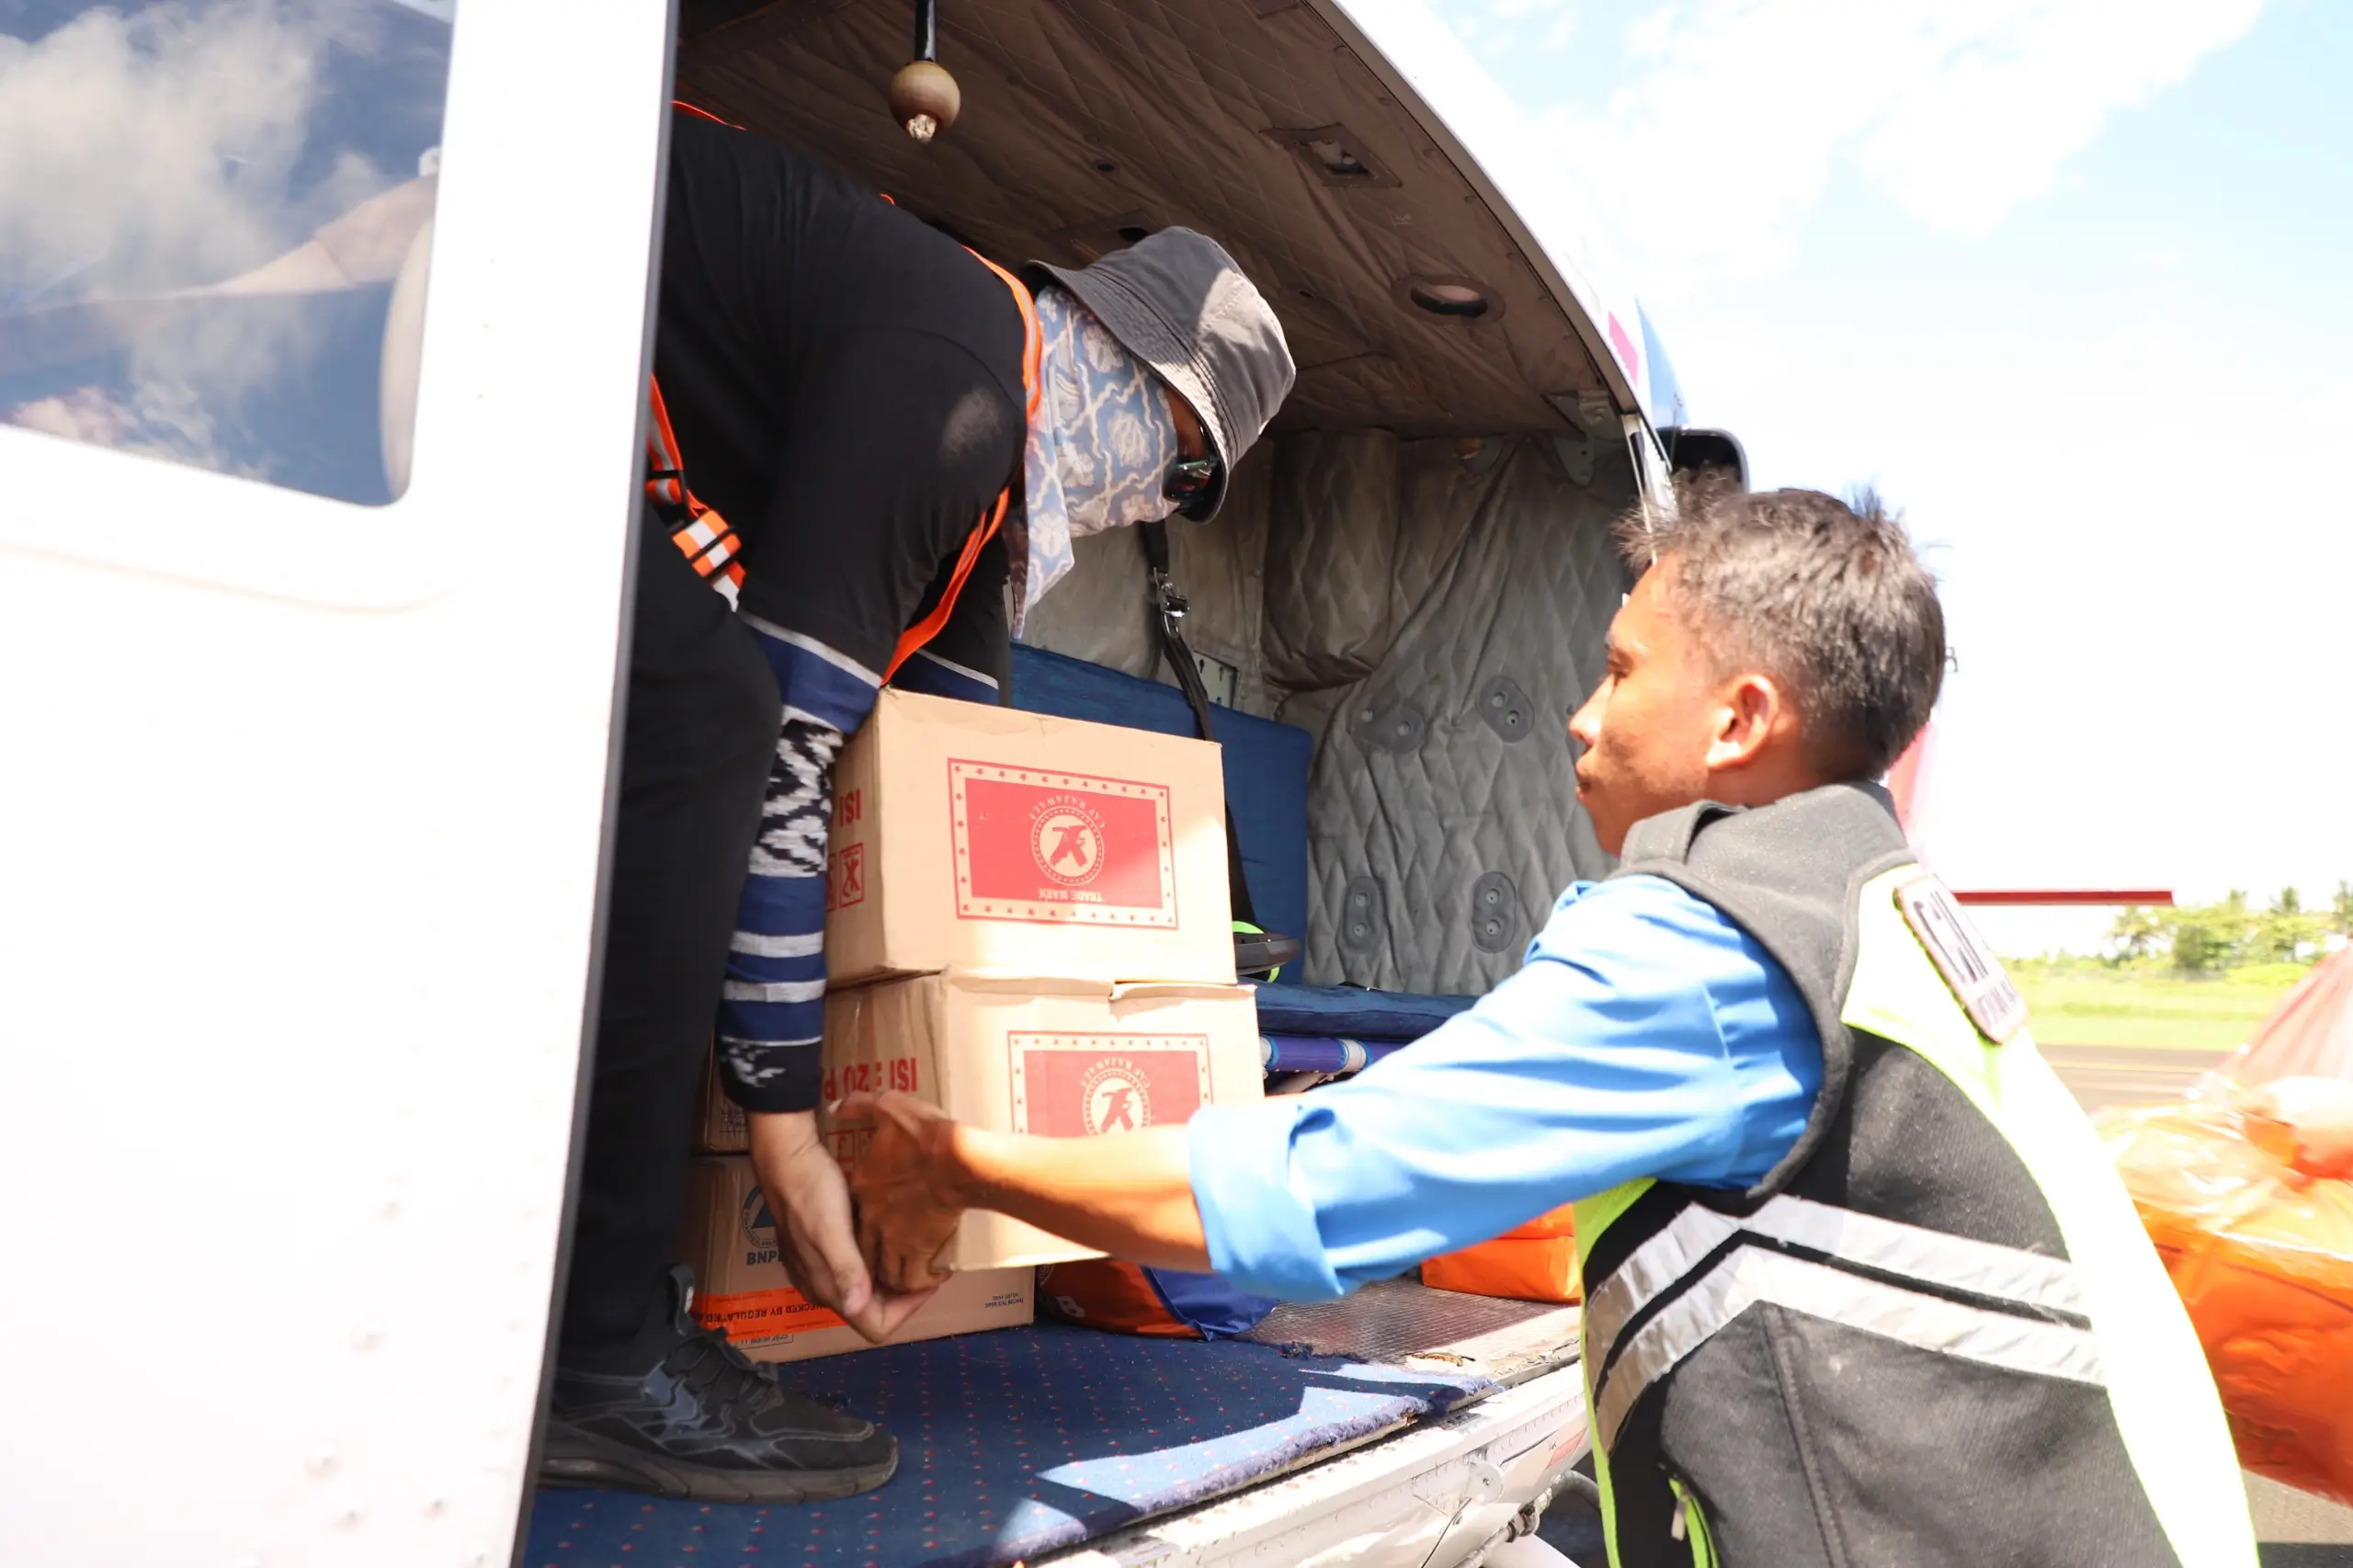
2248	1194
1538	1262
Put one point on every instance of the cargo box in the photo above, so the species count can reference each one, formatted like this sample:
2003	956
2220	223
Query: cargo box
1058	1057
741	1288
718	1128
967	836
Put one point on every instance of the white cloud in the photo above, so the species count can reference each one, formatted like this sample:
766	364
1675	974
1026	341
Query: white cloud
157	146
85	414
2327	414
2140	622
160	151
1541	23
1957	112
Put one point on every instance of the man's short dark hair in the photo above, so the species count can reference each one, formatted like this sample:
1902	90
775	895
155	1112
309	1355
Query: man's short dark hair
1827	598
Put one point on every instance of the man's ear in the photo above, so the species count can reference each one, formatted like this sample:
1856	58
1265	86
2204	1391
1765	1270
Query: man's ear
1752	713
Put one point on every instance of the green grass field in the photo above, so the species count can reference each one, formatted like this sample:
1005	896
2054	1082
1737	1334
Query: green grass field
2093	1004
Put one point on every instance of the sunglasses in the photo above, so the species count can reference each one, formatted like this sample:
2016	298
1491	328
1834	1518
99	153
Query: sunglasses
1189	479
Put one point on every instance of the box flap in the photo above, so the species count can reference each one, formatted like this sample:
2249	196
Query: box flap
1198	990
1016	981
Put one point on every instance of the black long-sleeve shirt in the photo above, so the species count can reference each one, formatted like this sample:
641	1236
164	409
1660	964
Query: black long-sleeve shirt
845	385
845	382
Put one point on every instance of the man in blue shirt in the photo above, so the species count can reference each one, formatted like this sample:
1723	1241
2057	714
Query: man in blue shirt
1646	1034
1859	1284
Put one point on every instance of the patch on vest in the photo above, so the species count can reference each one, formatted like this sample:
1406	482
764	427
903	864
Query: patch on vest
1969	968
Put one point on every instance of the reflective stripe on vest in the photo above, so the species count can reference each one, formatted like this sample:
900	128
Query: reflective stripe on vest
1748	1276
2158	1383
1732	1263
2104	1318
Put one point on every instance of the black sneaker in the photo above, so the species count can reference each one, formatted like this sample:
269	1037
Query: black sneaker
705	1423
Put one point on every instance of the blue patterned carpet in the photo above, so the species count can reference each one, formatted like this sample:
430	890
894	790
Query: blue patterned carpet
1013	1444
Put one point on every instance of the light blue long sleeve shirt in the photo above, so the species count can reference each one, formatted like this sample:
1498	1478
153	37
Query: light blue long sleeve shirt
1646	1034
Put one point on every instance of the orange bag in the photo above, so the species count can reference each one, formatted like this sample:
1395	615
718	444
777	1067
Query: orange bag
1538	1262
1129	1298
2259	1242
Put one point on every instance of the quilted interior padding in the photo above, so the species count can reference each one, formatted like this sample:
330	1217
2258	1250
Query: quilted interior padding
1266	770
1447	843
1332	549
1437	844
1102	611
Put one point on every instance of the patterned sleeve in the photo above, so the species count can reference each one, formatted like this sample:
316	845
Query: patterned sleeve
771	1013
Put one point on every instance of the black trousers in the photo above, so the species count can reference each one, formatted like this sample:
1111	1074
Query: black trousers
700	728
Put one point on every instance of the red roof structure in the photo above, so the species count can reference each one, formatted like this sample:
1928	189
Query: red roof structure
2310	1034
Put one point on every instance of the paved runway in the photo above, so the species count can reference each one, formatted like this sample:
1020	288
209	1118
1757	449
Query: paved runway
2104	1075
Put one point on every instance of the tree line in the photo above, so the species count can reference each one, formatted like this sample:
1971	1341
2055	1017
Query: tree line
2206	938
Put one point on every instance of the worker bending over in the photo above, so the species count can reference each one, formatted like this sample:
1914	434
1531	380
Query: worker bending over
1860	1287
871	450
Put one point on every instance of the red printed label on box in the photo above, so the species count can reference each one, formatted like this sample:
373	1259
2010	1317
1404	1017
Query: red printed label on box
847	885
1075	1086
899	1073
762	1317
1060	848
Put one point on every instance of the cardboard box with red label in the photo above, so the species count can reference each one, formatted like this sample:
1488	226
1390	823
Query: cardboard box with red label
741	1288
1060	1058
967	836
720	1130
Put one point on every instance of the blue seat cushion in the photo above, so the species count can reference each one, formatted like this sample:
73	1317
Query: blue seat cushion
1348	1012
1265	770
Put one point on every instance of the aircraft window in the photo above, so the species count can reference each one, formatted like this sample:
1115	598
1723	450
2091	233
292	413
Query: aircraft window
215	227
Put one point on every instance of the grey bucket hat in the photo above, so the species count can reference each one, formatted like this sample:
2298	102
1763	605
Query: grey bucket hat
1176	300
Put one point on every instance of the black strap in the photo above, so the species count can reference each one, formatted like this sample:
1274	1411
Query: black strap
1168	608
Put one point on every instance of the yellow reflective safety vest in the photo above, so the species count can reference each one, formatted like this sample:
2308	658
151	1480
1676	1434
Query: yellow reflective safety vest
1935	1333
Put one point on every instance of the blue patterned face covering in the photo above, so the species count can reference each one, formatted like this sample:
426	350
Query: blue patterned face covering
1099	452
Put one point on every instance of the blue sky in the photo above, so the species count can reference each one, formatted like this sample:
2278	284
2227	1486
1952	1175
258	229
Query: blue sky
2066	281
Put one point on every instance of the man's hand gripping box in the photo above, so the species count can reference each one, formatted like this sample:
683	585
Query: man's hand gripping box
741	1287
1057	1057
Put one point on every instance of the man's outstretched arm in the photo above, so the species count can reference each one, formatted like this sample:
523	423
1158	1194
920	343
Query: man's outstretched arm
1129	1194
1646	1036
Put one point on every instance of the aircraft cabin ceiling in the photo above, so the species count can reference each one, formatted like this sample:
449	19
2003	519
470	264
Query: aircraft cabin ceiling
1087	123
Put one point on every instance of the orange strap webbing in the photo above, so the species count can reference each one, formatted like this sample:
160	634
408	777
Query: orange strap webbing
704	537
1032	347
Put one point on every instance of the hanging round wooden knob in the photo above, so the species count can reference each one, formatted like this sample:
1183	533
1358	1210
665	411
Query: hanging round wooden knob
924	98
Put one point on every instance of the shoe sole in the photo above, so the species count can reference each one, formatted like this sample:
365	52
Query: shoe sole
576	1459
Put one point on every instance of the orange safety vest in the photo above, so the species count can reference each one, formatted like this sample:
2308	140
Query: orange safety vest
710	546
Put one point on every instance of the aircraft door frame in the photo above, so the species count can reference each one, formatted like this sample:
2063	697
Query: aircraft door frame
302	829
